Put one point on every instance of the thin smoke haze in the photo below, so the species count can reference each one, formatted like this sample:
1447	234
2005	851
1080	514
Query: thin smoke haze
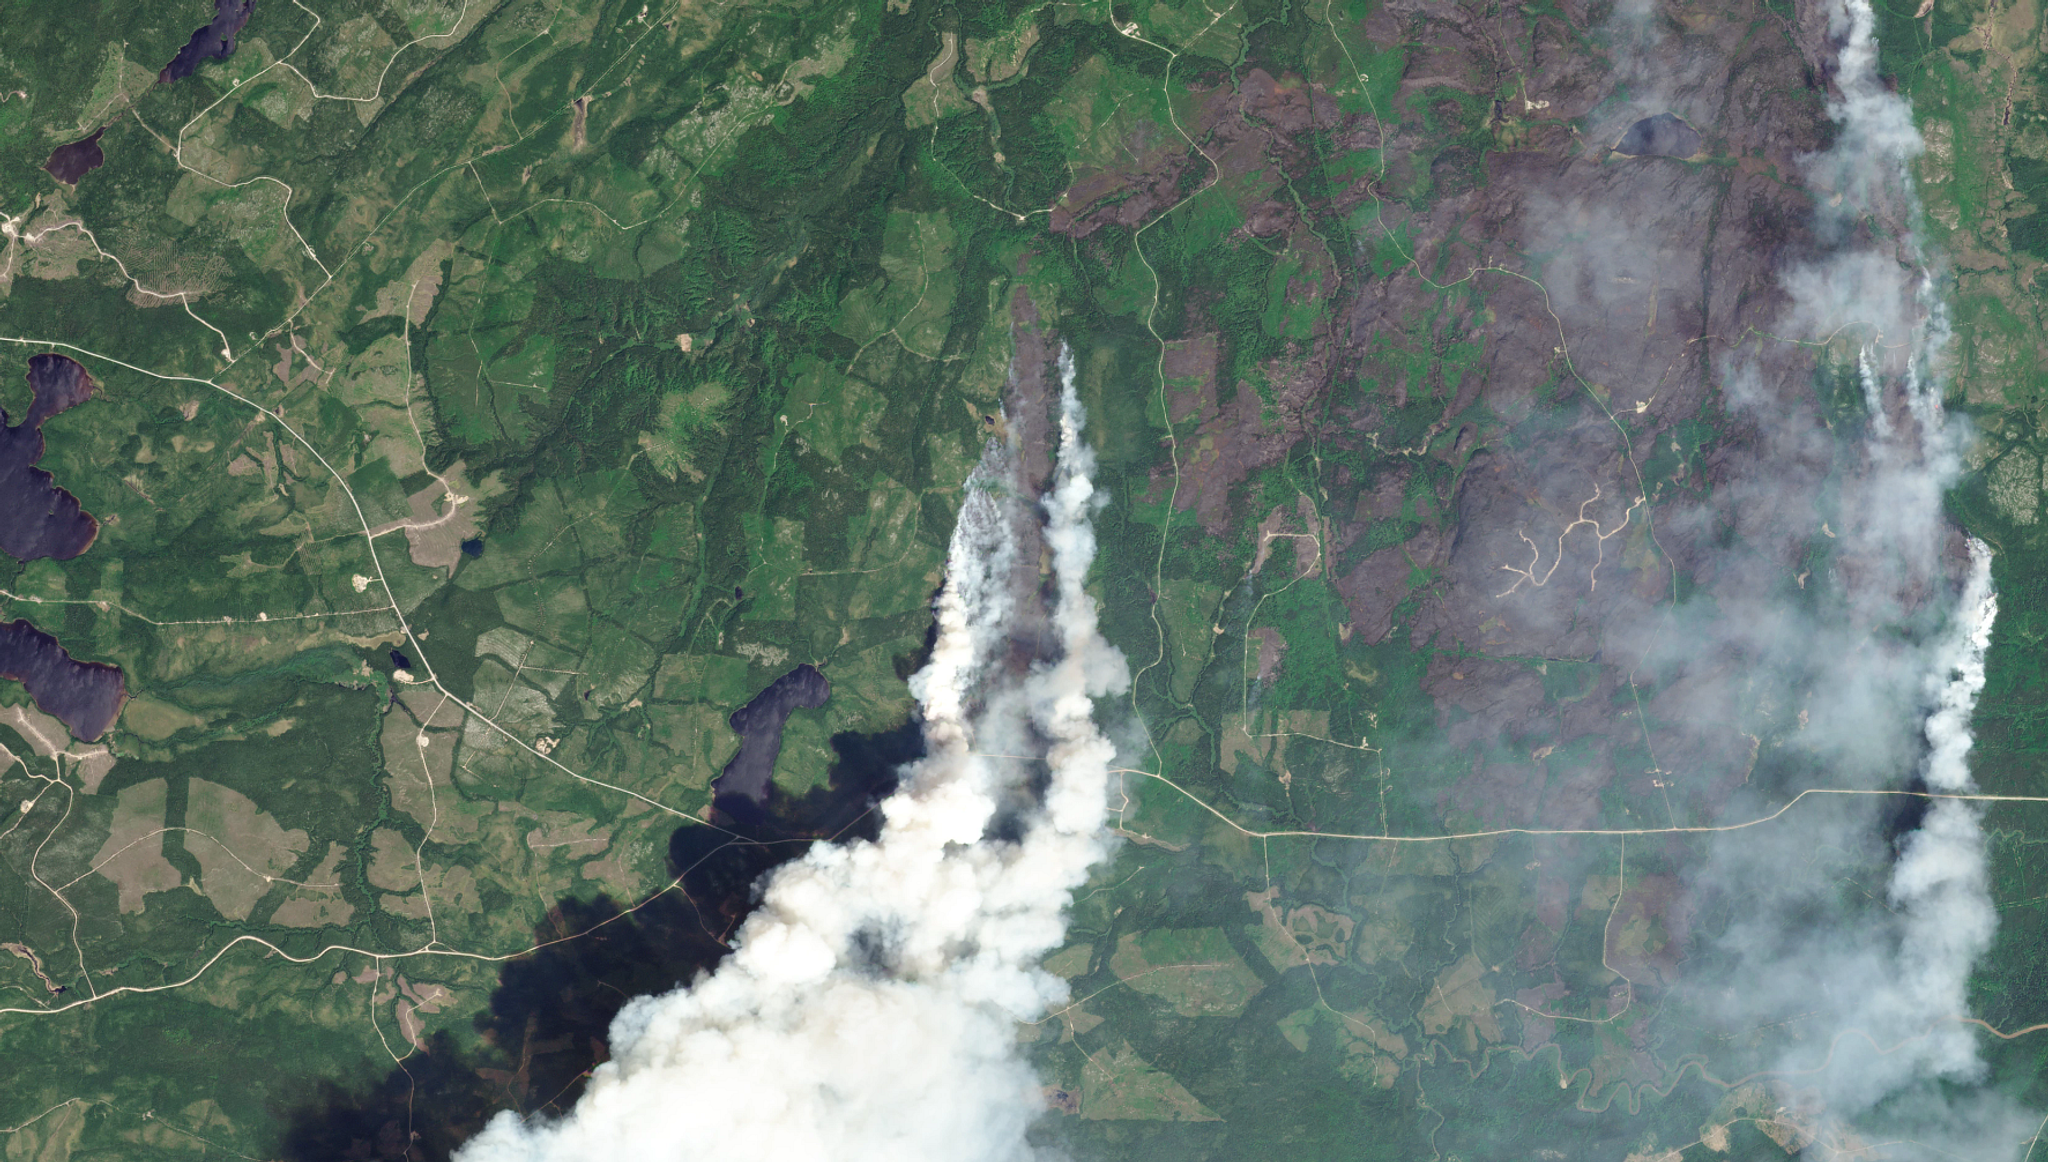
870	1006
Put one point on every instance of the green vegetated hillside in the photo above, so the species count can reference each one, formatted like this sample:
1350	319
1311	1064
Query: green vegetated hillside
495	396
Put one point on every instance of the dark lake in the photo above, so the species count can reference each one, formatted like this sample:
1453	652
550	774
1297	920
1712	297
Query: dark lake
1661	136
70	162
37	518
85	696
214	41
742	789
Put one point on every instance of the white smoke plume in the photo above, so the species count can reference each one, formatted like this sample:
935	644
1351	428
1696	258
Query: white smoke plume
1889	992
1940	885
1891	995
869	1009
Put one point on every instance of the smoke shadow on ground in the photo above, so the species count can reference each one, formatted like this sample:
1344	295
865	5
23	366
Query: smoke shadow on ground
549	1016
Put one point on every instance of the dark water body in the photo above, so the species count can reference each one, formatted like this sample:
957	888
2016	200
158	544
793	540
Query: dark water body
400	661
70	162
85	696
552	1010
1661	136
214	41
743	787
473	546
37	518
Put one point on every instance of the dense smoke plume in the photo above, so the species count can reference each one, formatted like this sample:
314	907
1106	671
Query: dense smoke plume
869	1009
1873	996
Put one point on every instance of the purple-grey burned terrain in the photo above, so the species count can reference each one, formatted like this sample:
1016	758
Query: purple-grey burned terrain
1623	549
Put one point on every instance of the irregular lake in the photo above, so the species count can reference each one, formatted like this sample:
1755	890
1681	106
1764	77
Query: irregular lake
1661	136
37	518
215	41
70	162
742	790
85	696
